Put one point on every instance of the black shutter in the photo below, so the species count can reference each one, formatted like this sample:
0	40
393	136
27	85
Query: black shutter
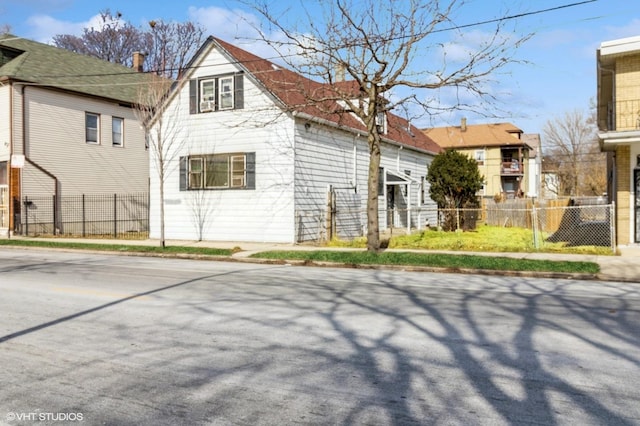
193	96
183	173
250	159
380	181
238	96
216	93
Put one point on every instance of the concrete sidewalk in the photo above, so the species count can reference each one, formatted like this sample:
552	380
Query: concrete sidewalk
624	267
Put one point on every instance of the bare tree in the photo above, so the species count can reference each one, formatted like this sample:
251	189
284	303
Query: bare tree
164	135
167	46
202	208
173	44
114	40
571	146
383	47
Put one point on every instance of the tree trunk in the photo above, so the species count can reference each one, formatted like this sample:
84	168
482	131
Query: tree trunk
373	228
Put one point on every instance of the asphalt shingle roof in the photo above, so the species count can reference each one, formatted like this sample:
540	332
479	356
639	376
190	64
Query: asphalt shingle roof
37	63
294	91
478	135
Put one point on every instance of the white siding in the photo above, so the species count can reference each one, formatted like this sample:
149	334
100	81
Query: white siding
262	214
327	156
55	140
398	160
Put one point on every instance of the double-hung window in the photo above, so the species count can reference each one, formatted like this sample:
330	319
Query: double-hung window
226	92
218	171
216	93
92	126
117	129
207	95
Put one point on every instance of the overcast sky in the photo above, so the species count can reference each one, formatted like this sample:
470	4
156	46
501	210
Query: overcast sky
560	73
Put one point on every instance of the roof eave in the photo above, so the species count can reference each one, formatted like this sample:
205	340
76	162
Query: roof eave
360	132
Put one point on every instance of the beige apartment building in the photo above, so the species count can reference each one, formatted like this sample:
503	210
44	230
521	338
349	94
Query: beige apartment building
618	115
501	151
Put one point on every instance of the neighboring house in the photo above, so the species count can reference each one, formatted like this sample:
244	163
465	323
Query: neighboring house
500	150
254	160
550	184
619	130
67	127
534	166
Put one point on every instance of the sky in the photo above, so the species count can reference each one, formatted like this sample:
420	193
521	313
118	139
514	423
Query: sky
556	72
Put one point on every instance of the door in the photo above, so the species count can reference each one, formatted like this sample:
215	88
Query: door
4	195
636	180
391	204
4	206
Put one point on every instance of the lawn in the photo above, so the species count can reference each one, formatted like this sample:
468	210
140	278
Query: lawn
484	239
436	260
123	248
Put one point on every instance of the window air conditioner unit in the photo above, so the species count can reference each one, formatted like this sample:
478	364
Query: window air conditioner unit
206	106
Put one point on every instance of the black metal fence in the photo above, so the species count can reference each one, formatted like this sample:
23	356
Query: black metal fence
123	216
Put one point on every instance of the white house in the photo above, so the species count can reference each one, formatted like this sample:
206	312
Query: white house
251	160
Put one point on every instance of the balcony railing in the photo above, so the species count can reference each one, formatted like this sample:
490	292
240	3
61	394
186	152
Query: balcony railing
512	167
623	115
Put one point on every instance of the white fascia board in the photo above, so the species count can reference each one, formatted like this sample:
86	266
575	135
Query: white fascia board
620	46
611	138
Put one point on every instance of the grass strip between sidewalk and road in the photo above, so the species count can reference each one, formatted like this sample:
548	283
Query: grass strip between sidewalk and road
124	248
398	258
435	260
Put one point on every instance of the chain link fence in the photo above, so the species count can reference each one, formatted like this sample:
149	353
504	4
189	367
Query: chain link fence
122	216
572	223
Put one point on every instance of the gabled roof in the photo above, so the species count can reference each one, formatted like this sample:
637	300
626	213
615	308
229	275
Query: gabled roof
293	92
475	136
36	63
533	141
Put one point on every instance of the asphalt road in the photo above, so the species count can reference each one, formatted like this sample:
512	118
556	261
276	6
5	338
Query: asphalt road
100	339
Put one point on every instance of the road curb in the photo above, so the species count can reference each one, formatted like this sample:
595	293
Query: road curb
245	259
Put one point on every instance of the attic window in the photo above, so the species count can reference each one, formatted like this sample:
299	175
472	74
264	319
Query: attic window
216	93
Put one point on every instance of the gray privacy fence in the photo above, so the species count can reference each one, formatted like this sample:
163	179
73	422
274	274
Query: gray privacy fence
124	216
586	222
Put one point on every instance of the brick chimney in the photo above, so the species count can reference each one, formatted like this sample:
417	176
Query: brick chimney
138	61
340	72
463	124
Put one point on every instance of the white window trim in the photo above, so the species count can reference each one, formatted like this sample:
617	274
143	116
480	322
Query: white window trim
236	178
241	174
229	94
207	102
200	173
97	128
120	144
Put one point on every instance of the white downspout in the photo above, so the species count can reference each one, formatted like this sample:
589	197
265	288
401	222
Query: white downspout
408	208
354	181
